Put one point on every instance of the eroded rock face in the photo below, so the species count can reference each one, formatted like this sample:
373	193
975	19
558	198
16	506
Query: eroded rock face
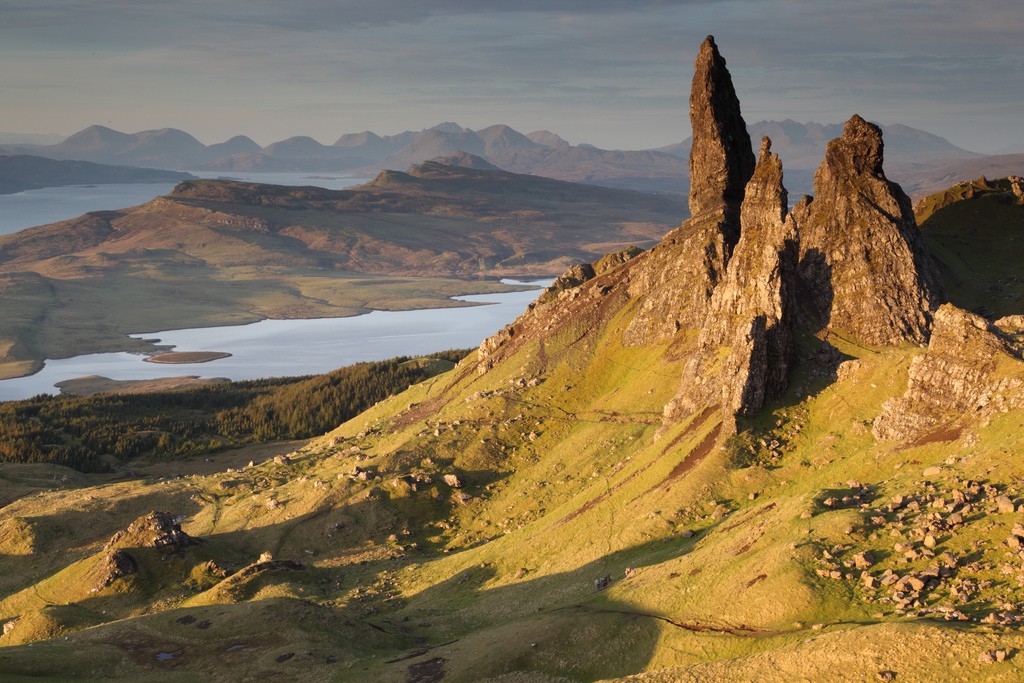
114	565
721	159
726	290
752	311
691	261
862	261
971	368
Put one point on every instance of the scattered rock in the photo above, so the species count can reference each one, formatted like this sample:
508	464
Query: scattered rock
863	560
992	656
1005	505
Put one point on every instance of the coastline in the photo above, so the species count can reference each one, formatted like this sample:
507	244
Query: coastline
184	357
375	335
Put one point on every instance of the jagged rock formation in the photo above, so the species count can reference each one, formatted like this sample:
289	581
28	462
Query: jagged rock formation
157	530
864	267
721	159
723	289
752	310
971	368
114	565
574	277
694	258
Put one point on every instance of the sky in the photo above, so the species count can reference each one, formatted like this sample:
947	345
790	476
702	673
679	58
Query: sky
613	73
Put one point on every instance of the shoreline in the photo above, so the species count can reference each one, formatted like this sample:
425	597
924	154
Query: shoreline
186	357
9	387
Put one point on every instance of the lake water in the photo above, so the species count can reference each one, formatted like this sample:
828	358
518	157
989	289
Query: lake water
277	348
51	204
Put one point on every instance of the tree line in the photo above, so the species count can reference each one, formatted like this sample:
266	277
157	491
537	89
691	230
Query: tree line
90	433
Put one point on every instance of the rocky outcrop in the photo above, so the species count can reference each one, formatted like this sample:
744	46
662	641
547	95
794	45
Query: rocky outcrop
114	565
721	159
862	261
972	368
155	530
674	281
690	262
751	312
726	290
574	277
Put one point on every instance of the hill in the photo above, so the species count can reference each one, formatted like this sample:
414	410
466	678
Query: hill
219	252
768	448
25	172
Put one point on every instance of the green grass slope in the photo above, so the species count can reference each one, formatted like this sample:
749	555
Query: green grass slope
976	232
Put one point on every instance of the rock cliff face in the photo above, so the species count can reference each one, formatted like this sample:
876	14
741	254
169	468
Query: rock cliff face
971	368
864	267
721	161
694	257
752	310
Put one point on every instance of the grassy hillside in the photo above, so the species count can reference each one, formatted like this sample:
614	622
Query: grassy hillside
976	231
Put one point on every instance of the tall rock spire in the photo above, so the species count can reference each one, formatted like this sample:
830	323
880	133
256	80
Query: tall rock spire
861	256
721	158
751	311
694	257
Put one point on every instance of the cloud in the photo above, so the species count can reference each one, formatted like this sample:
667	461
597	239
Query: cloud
568	65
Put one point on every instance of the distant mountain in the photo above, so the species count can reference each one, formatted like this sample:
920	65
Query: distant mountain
95	143
239	144
255	162
167	147
548	139
25	172
665	170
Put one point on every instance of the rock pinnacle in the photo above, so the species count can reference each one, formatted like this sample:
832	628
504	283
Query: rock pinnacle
721	159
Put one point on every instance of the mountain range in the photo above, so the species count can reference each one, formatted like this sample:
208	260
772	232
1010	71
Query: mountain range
914	155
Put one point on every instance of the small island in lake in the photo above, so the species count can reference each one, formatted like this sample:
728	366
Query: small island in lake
177	357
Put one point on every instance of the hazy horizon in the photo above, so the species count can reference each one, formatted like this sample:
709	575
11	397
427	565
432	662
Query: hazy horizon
591	71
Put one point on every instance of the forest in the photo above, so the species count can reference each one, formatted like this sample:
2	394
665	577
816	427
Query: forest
93	433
